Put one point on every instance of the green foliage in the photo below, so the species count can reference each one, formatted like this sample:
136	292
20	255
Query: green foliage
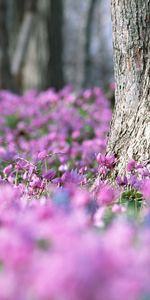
83	113
43	244
131	196
108	217
69	139
1	265
11	121
134	201
89	130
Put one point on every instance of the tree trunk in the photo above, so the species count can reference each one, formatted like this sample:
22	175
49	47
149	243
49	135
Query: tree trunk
55	77
25	31
130	129
88	38
5	76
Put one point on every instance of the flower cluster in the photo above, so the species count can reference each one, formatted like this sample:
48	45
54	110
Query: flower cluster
60	239
67	129
50	250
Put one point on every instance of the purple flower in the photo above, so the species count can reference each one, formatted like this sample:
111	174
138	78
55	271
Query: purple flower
122	180
37	184
72	177
143	171
8	155
42	155
133	181
131	165
49	175
22	165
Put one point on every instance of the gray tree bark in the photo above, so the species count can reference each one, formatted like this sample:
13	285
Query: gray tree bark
130	129
5	75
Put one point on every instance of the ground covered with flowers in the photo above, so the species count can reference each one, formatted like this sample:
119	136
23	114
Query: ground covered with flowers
60	238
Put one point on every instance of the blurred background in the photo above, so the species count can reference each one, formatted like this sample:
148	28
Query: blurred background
50	43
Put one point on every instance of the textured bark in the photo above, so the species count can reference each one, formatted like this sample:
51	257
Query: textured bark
130	129
5	76
55	77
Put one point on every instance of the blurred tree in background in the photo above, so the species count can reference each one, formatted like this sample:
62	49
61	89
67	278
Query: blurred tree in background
55	76
88	38
27	12
5	74
53	42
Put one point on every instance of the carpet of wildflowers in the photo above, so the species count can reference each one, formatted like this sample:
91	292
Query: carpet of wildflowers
60	238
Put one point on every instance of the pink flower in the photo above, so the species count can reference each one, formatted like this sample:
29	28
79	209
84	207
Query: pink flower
75	134
9	197
106	160
7	170
103	170
42	155
145	189
81	197
131	165
98	217
118	208
106	195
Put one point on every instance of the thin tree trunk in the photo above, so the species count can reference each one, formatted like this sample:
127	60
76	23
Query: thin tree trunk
5	75
130	129
88	38
23	42
55	76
